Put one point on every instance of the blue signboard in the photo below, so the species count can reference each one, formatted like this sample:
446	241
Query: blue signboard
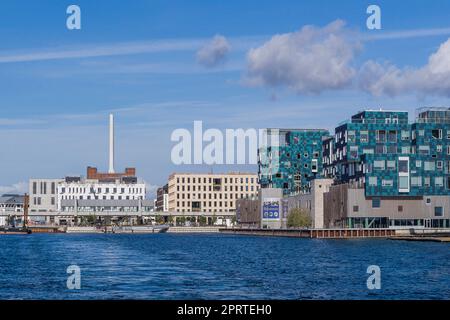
271	209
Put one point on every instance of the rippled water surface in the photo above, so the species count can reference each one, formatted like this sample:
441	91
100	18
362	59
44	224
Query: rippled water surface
214	266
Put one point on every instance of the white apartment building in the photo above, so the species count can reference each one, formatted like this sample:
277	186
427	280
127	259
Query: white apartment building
95	190
43	194
191	192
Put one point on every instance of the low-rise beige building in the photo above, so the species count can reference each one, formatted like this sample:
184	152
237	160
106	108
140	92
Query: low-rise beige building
210	192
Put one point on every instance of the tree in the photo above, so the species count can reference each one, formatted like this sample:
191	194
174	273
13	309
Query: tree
159	219
298	218
202	220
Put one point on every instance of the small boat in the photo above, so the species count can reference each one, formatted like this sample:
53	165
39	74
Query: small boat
141	229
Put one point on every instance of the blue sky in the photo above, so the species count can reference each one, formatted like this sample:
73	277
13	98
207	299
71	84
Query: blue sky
139	60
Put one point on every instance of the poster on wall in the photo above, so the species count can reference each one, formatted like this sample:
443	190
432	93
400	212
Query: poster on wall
271	208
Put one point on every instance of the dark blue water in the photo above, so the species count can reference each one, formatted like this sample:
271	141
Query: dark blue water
170	266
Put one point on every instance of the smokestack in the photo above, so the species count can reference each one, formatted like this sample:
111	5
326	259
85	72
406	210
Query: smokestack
111	143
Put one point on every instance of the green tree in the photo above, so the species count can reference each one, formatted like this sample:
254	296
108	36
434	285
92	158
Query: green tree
202	220
159	219
298	218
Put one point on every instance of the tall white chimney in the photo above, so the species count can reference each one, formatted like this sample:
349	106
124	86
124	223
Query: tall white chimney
111	143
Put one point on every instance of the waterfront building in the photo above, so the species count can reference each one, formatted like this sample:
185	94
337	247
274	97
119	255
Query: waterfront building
271	208
10	205
396	173
108	192
379	170
248	212
162	199
43	194
103	191
111	192
209	192
291	160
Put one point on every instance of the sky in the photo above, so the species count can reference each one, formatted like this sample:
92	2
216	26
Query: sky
160	65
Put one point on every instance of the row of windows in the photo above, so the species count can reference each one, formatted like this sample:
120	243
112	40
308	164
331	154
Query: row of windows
78	190
44	187
376	204
207	210
37	201
209	204
211	188
355	151
388	135
210	196
102	197
415	182
215	180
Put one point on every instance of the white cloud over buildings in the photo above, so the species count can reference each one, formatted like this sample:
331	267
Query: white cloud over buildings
314	60
16	188
387	79
214	52
311	60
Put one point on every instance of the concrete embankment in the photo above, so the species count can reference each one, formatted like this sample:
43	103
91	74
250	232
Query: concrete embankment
412	238
193	229
314	233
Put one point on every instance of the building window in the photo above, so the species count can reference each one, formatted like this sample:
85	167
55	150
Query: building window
416	181
424	150
387	183
391	164
429	166
376	203
439	181
403	183
364	136
438	211
428	201
400	208
355	208
405	135
392	136
406	150
403	166
379	164
314	165
373	181
436	133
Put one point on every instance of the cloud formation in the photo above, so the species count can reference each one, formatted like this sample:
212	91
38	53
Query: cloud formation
311	60
17	188
214	52
387	79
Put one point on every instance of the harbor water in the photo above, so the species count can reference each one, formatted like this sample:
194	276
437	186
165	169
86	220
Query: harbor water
217	266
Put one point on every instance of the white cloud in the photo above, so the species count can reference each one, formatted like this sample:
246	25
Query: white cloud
103	50
387	79
214	52
311	60
17	188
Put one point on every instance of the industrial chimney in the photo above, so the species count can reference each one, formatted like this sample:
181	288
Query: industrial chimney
111	143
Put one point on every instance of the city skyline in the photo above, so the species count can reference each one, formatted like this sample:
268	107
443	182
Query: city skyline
57	96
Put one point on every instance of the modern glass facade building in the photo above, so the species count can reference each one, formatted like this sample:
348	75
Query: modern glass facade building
389	156
385	170
292	160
